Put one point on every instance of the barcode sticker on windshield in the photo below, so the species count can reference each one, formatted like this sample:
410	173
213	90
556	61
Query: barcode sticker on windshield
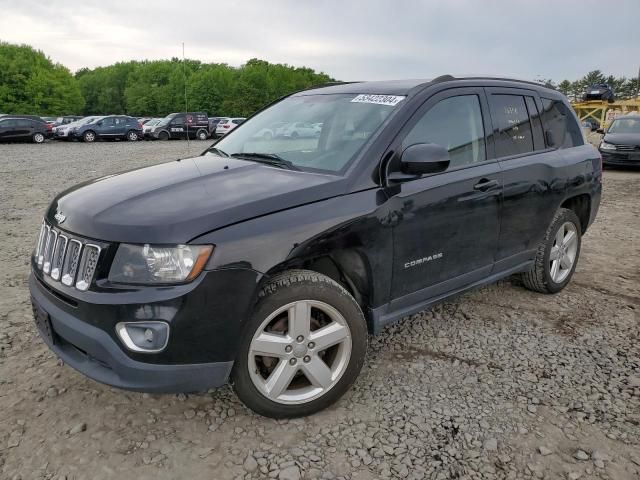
378	99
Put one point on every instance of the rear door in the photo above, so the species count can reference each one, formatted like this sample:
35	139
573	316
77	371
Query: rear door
527	165
446	234
23	129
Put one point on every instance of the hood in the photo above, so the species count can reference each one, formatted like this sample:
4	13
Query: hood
622	138
178	201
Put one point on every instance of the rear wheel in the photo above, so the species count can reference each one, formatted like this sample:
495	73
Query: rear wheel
38	137
303	347
202	135
132	136
557	254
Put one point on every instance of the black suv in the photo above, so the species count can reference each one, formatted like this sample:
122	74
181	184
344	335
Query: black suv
621	142
24	128
267	261
180	126
599	91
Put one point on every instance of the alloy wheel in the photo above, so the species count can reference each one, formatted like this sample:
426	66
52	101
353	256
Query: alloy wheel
299	352
563	252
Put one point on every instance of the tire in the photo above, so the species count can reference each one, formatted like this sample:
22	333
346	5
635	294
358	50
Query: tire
38	137
551	276
294	135
336	367
163	135
132	136
89	136
202	135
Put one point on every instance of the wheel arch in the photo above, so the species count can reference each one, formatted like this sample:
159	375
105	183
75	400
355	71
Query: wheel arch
347	267
581	206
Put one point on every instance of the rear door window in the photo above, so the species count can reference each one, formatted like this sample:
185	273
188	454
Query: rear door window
513	134
536	124
561	126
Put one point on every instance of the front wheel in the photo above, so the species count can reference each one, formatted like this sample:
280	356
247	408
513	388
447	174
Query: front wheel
557	254
303	347
89	136
38	137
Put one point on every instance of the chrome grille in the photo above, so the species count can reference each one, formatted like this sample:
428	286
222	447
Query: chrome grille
627	148
68	259
88	266
70	265
58	256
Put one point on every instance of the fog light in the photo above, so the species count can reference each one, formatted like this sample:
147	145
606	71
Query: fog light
145	337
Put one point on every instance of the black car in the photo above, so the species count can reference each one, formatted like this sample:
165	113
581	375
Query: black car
181	126
621	142
600	91
24	129
266	262
110	127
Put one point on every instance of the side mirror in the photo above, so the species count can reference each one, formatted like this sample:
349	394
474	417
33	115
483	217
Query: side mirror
600	130
423	158
99	123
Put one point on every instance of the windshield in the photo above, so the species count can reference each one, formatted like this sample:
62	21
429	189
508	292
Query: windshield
322	132
164	121
625	125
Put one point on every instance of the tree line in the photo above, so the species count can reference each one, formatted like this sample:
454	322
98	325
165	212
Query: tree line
31	83
623	87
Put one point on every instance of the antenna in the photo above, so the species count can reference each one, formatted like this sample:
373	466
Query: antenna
186	105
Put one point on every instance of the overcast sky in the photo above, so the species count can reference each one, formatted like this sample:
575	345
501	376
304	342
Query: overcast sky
349	40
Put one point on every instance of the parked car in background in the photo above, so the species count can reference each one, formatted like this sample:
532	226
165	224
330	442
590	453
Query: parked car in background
600	91
50	120
181	126
110	127
621	142
225	125
592	123
63	132
148	125
213	122
301	130
23	129
269	262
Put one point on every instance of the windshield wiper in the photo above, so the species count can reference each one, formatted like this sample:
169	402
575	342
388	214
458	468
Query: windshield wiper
266	158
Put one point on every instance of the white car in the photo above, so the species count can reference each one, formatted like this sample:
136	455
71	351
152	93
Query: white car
301	130
148	126
61	132
225	125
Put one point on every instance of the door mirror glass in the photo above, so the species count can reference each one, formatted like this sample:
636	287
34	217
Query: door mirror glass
423	158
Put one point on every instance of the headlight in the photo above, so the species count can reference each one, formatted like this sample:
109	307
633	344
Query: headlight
158	264
607	146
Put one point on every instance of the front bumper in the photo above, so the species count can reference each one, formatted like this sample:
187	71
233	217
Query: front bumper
201	348
620	158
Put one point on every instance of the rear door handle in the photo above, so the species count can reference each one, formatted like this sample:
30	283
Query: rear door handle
485	184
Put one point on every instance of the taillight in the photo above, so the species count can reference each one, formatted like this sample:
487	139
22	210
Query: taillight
139	126
225	126
49	127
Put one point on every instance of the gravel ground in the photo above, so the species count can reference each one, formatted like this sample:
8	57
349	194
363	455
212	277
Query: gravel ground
499	383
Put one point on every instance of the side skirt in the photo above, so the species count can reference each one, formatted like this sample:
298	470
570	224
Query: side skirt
382	316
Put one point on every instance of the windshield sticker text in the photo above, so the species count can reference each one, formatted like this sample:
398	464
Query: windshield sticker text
390	100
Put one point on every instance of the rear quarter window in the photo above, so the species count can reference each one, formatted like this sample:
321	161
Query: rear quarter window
560	123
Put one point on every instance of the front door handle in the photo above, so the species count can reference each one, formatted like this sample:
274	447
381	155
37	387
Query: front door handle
485	184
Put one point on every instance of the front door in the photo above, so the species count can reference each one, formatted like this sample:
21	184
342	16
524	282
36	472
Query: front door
447	233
